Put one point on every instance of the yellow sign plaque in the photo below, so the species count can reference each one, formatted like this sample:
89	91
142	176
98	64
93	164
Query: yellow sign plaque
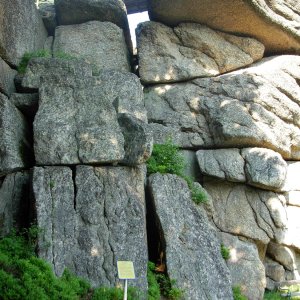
125	270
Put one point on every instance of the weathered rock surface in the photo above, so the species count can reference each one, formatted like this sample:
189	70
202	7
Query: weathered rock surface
15	150
92	115
191	167
245	211
101	44
190	50
274	23
71	12
274	270
88	232
259	108
246	269
14	195
16	17
48	14
26	103
7	76
192	250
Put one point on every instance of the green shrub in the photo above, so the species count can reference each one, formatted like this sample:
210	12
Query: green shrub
28	56
237	294
153	286
272	296
166	158
225	252
104	293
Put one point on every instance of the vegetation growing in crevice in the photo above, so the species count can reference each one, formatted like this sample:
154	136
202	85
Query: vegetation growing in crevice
166	158
160	284
225	252
237	293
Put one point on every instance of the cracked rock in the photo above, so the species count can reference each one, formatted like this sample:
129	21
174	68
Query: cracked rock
191	247
253	107
190	50
92	222
7	75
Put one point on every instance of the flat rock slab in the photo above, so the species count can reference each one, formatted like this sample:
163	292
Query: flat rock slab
101	44
14	204
7	76
87	119
15	148
246	268
21	30
190	50
253	107
81	11
260	167
252	213
192	249
274	23
88	232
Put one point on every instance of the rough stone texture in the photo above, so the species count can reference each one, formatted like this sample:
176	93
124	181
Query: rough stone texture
190	50
26	103
252	213
14	195
259	108
222	163
245	267
49	44
16	18
7	75
101	44
191	167
15	150
71	12
84	112
292	182
274	270
274	23
91	230
264	168
48	14
192	250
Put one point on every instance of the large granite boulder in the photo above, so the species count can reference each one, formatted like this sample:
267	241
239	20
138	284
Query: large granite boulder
71	12
274	23
101	44
253	107
14	204
246	269
190	245
190	50
15	148
252	213
21	30
91	219
87	119
7	76
260	167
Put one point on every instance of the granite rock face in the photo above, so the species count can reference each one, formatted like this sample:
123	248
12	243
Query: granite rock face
71	12
274	23
7	76
259	108
246	269
101	44
26	103
16	17
191	247
260	167
252	213
190	50
14	195
90	230
15	148
92	115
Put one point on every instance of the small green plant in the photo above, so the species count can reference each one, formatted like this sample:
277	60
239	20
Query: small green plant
225	252
237	293
63	55
160	284
104	293
272	295
166	158
51	184
28	56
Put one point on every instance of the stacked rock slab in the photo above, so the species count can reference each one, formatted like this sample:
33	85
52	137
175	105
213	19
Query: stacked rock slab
273	23
91	219
191	247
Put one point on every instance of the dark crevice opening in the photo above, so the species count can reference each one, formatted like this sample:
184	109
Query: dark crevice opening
73	169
